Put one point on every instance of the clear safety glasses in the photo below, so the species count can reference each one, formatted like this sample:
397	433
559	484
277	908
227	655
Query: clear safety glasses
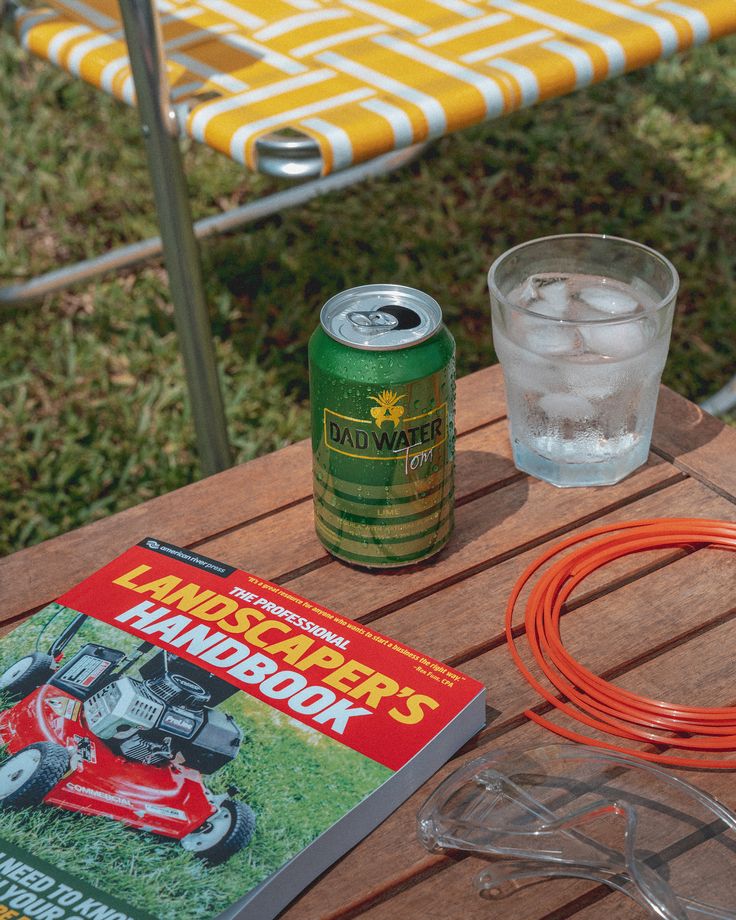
570	810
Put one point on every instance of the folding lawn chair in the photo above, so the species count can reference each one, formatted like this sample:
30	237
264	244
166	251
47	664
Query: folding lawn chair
308	88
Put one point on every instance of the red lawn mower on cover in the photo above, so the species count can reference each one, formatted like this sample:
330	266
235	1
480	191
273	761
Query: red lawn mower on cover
87	737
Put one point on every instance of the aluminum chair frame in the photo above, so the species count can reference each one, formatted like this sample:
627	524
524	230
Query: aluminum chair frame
280	155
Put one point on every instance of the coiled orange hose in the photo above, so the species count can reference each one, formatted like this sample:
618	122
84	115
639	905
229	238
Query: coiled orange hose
588	698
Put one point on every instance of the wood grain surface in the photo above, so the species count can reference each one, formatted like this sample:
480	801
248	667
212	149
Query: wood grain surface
661	623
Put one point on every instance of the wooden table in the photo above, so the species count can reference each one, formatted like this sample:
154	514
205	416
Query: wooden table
662	624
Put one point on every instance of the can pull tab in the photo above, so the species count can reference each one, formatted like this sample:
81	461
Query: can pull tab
371	322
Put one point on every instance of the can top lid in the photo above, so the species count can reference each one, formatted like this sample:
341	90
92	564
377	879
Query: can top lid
381	317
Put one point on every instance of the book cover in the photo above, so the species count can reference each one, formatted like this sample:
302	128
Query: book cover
183	739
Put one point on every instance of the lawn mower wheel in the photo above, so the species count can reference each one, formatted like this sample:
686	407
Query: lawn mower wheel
28	776
223	835
27	673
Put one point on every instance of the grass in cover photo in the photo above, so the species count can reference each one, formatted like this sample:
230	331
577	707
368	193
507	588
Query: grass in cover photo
191	741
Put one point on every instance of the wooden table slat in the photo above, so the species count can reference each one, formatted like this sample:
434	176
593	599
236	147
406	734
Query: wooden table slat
696	442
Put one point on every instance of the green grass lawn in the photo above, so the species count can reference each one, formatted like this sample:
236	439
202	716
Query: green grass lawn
93	414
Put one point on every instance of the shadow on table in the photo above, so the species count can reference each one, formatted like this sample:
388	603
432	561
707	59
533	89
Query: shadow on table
477	515
484	510
681	427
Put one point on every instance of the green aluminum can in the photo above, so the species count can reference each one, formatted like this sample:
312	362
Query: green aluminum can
382	384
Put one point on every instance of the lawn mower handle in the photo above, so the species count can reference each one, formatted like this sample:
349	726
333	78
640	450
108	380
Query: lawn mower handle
64	638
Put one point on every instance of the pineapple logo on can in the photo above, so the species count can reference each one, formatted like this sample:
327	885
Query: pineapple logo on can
387	409
390	433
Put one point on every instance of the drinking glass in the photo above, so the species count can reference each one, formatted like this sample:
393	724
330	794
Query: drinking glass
581	326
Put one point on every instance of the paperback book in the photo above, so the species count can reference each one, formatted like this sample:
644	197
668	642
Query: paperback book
183	739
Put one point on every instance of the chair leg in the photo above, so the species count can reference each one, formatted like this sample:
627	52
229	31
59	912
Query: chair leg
180	249
723	401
